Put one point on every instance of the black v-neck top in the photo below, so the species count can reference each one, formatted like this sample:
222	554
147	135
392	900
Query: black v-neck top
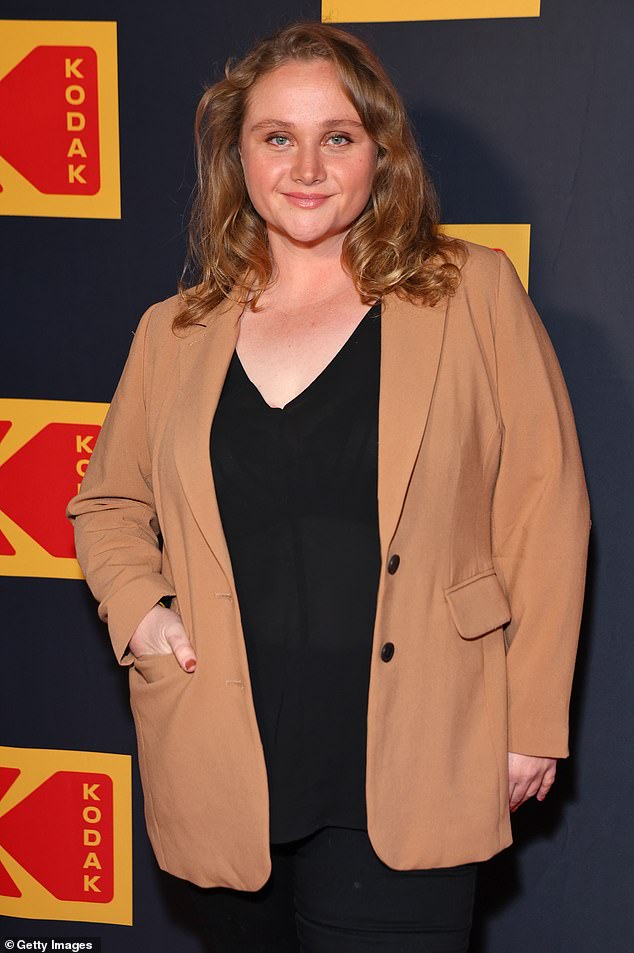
297	494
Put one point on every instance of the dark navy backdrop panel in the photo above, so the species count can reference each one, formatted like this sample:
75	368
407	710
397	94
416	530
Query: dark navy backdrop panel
521	120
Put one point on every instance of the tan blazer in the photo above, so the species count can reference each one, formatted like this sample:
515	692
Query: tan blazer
481	495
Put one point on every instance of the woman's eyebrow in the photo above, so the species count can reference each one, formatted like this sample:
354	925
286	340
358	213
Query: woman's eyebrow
265	123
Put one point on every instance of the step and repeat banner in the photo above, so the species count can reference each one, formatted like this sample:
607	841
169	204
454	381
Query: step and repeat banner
518	106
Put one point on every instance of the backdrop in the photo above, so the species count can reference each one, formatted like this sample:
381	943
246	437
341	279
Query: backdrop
523	119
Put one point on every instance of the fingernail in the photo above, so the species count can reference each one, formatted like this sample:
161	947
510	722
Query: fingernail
190	664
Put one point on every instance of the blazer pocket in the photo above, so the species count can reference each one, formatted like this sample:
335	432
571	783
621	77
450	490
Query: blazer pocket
157	665
478	604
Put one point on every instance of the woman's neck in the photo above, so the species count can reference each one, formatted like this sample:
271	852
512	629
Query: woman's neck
307	270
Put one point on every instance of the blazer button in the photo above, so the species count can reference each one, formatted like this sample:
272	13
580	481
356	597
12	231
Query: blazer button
387	651
392	565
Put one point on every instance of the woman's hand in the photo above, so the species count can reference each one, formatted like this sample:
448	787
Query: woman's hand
161	632
529	775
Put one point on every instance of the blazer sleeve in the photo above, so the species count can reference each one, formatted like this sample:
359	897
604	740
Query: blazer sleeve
115	523
540	524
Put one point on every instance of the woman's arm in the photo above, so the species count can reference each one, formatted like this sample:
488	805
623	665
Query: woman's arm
115	521
540	524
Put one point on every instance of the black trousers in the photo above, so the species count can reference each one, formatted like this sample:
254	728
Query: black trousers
330	893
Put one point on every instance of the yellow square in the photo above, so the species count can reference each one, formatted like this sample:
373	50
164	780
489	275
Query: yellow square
45	446
514	240
66	835
59	141
386	11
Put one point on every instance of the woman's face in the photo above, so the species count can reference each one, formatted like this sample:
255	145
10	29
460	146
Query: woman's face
308	162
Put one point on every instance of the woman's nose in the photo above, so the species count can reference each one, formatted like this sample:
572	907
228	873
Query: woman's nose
308	166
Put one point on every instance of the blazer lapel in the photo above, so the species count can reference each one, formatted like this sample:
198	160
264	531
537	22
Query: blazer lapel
411	339
204	358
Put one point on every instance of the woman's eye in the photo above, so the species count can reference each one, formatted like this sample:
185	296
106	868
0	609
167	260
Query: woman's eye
336	138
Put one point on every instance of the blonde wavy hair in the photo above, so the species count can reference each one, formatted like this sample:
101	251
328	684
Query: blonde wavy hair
393	246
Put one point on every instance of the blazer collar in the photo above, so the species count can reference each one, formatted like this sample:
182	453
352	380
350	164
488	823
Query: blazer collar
411	341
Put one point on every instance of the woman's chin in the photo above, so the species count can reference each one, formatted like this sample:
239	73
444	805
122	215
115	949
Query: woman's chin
308	237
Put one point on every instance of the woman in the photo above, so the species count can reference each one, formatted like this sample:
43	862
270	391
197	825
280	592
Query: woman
348	451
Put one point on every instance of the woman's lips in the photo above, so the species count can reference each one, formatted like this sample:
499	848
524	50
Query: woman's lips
306	199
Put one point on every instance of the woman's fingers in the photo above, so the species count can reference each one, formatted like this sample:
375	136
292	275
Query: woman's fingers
522	793
181	646
547	782
529	776
519	795
160	632
182	649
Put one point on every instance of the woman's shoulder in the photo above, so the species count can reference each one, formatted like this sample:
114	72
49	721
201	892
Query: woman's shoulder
482	267
191	306
162	313
479	261
154	330
159	318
